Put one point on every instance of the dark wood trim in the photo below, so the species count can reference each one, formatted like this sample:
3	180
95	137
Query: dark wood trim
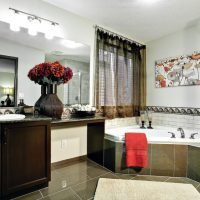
69	161
15	59
0	161
48	152
25	191
95	141
77	122
27	185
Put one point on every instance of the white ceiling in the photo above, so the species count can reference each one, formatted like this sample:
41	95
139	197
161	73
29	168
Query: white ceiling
49	47
139	19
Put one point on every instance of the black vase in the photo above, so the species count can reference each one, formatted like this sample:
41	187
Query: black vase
49	104
43	94
8	100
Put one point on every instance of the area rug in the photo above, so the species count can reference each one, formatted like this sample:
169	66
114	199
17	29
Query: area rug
117	189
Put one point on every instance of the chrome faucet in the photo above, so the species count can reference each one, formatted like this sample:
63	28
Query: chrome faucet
173	135
192	135
182	132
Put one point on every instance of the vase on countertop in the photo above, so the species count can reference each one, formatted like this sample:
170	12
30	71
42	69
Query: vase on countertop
43	94
49	75
49	104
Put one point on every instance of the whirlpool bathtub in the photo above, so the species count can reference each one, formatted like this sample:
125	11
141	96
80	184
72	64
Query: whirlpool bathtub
157	135
178	157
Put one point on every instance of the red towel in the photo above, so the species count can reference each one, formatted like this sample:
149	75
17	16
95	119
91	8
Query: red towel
136	150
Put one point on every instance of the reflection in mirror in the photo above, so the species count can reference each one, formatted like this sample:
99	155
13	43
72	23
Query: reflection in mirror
32	50
77	90
8	86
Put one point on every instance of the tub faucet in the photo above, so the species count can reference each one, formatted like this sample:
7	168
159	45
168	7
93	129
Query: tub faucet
173	135
182	132
192	135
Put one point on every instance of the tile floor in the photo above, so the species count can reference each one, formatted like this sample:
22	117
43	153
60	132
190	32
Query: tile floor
78	180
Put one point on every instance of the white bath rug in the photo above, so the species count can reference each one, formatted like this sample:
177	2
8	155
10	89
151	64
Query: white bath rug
117	189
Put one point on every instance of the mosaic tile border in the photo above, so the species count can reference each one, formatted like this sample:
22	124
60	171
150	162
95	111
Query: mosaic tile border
174	110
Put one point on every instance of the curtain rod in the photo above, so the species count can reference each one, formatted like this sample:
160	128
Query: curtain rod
120	36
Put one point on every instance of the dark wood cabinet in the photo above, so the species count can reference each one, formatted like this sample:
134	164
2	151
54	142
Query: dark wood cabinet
25	157
95	141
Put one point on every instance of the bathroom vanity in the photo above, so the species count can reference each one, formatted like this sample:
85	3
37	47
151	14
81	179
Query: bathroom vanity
24	156
25	150
93	132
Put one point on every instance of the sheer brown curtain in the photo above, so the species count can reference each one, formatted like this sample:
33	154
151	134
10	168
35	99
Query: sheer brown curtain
120	76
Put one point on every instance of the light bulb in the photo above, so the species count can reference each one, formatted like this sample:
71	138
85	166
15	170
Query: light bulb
14	27
14	22
71	44
50	30
32	31
33	26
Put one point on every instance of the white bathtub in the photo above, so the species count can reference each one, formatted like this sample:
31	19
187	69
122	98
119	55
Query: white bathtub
158	135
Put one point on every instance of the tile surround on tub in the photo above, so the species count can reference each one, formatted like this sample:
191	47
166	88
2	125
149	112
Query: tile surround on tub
194	163
166	116
119	122
160	119
175	120
163	160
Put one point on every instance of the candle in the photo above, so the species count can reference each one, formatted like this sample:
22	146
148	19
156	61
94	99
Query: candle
142	117
150	116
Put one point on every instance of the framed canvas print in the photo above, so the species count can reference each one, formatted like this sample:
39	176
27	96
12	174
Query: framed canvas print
178	71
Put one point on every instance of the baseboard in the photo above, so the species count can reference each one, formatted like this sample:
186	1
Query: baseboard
67	161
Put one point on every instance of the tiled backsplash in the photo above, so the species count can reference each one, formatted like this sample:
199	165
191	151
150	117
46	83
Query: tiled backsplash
119	122
176	120
161	119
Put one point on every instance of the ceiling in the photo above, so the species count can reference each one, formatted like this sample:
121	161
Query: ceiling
144	20
54	49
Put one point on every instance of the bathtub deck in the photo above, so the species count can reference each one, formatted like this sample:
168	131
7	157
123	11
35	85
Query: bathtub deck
164	160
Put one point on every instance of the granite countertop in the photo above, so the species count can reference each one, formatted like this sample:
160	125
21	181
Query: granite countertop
32	118
76	119
29	118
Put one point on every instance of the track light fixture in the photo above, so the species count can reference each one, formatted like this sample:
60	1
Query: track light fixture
34	24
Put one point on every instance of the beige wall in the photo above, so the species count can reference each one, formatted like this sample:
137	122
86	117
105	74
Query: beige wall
180	43
68	142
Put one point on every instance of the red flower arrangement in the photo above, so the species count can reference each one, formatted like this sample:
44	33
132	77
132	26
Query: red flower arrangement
50	73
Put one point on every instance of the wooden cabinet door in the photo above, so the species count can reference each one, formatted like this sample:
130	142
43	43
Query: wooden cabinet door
25	156
0	164
95	139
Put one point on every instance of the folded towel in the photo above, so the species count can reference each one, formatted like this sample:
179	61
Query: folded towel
136	150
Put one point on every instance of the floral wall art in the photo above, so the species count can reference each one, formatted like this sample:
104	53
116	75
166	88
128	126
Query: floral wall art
178	71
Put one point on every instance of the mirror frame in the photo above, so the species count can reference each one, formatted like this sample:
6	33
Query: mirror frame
15	59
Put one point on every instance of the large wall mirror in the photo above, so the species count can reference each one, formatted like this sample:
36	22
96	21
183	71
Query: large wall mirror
69	53
8	81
